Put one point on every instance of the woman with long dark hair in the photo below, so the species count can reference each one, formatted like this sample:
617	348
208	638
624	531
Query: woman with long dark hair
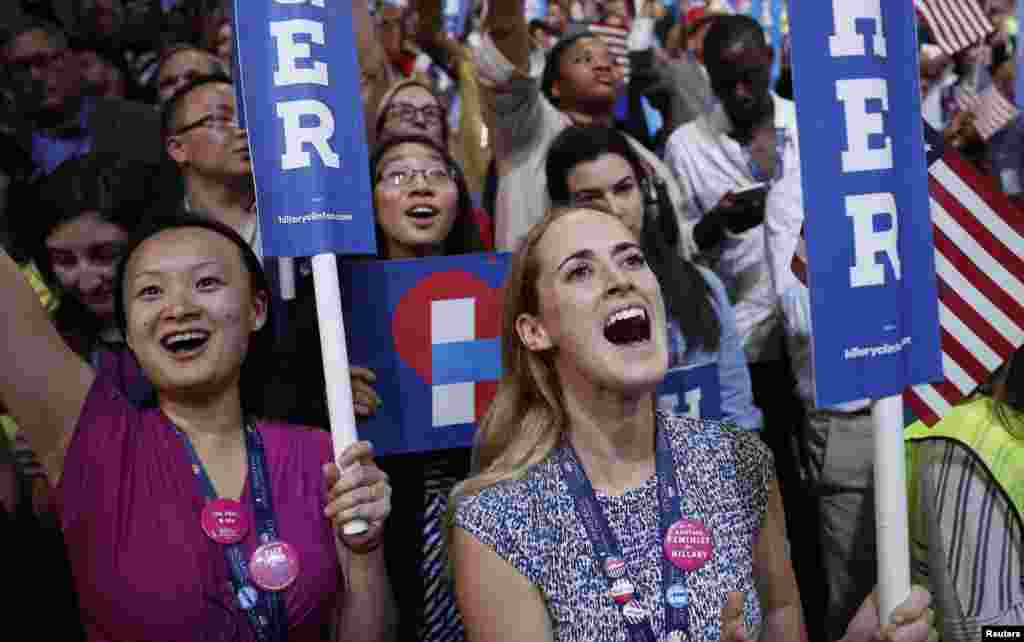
596	164
423	208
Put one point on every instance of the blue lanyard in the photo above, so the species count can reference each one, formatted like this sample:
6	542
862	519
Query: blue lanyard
606	546
266	615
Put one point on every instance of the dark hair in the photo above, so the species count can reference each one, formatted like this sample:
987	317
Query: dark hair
216	65
464	237
170	109
110	55
259	360
1008	394
553	62
687	294
120	192
727	30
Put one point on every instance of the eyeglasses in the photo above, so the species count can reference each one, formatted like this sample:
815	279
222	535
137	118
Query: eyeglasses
433	177
212	121
431	114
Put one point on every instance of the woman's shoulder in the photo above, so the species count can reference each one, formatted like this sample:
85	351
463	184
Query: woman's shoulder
513	498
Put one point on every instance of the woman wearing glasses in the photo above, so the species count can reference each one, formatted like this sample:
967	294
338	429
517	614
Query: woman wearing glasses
423	209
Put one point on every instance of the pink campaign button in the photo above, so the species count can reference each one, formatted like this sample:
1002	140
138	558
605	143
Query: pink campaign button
274	566
688	544
225	521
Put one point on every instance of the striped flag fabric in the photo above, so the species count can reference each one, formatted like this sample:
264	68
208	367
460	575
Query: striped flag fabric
979	260
955	24
992	111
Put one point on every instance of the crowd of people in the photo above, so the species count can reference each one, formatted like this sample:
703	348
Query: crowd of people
165	469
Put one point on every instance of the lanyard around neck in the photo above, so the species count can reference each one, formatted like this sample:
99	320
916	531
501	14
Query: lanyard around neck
606	545
267	615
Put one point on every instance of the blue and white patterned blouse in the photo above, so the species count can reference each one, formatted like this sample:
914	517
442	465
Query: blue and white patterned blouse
531	523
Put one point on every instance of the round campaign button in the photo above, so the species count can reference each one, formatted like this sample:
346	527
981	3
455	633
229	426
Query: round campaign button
274	566
225	521
688	544
677	596
247	597
622	591
614	567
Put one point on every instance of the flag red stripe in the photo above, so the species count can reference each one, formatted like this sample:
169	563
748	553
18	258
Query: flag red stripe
985	188
948	391
981	281
954	26
920	408
938	26
970	223
973	320
962	356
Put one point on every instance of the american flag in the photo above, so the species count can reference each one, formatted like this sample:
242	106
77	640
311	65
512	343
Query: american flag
992	111
955	24
979	260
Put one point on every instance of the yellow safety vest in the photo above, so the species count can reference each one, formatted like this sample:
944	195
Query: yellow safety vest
972	425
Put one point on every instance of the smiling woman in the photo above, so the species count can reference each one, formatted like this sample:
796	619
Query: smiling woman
598	517
243	511
83	214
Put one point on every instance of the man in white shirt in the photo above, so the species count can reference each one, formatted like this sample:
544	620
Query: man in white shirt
836	443
749	137
526	112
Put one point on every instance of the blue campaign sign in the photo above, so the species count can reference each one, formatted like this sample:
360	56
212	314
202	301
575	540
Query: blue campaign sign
871	270
429	329
692	391
300	84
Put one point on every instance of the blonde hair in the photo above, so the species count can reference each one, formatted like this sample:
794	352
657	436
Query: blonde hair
527	419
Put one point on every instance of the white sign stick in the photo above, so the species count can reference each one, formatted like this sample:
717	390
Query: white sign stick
335	357
891	506
286	270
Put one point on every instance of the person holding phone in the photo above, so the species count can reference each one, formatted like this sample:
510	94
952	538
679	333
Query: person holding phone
589	164
749	137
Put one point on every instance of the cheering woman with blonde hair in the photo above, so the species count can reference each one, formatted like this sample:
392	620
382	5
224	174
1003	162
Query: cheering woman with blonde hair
593	516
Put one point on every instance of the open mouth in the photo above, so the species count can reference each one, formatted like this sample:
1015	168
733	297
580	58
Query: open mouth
422	212
628	326
182	343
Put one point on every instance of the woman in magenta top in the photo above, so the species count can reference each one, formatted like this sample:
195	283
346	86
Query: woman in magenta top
195	520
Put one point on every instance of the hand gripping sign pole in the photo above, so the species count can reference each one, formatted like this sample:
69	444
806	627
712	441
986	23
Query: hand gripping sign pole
335	354
869	234
298	73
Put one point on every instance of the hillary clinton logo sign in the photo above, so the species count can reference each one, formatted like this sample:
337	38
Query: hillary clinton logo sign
865	194
430	330
298	79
